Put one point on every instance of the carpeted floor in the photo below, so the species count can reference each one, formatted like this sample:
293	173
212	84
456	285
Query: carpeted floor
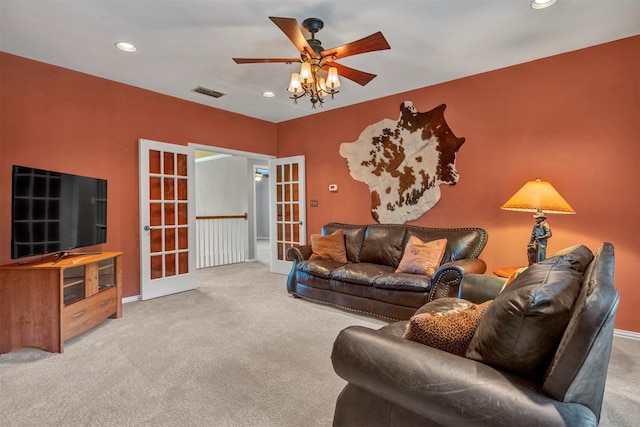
238	351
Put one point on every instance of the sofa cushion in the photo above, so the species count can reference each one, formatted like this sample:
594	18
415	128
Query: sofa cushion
329	247
383	244
422	257
320	267
523	326
449	328
361	273
403	282
353	237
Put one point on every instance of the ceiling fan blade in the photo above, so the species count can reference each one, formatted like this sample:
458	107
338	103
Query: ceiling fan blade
368	44
360	77
264	60
290	27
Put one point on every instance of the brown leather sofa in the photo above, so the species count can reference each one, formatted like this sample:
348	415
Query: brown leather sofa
368	282
393	381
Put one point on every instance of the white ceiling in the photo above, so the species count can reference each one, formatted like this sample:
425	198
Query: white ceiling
187	43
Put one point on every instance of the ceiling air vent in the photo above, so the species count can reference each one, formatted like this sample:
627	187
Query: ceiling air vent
208	92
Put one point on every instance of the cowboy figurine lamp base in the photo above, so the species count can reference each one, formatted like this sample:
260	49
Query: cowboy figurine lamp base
540	197
537	248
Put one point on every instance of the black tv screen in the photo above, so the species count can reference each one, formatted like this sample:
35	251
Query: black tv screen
55	212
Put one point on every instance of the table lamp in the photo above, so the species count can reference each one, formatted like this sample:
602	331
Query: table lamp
541	198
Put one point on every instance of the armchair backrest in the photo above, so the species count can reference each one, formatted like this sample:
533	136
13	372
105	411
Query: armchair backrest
578	370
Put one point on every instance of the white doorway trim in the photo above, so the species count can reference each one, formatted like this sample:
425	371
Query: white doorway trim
248	154
251	156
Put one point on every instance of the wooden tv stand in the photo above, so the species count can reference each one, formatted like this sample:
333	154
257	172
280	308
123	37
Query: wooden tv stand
42	303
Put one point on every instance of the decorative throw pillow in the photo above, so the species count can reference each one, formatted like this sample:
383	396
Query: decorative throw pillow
522	327
329	247
422	258
449	332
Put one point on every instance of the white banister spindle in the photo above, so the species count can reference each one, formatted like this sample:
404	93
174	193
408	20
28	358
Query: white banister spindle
221	240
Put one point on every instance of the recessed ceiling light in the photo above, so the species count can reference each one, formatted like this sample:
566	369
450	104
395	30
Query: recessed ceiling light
126	47
541	4
268	94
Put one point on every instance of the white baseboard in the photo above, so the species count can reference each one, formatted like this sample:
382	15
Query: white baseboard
626	334
131	299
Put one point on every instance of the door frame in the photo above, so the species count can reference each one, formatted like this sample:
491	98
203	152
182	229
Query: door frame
247	154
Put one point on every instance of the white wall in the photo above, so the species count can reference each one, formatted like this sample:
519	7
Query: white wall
225	186
262	208
221	187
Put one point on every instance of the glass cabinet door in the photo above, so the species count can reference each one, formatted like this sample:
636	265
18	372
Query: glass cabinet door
106	274
74	284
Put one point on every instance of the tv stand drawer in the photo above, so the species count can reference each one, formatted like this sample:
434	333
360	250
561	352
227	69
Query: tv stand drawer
84	314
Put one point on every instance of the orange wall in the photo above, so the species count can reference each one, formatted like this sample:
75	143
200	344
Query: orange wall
571	119
57	119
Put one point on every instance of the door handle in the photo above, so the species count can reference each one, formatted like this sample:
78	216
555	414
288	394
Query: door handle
147	228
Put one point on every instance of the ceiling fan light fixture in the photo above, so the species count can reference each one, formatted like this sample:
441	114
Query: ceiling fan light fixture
541	4
317	78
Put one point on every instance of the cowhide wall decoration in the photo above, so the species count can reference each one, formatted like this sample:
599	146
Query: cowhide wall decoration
404	162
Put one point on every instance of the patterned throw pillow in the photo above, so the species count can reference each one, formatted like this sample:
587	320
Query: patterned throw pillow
450	332
422	258
329	247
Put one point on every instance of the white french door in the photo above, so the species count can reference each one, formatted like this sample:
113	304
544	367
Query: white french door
167	219
287	209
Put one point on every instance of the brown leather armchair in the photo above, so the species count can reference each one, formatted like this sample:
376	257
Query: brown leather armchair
393	381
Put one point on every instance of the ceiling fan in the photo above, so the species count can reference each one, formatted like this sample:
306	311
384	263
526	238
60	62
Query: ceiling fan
311	81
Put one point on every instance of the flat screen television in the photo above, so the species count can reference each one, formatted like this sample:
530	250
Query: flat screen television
53	212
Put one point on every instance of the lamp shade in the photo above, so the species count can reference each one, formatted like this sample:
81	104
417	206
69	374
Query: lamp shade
306	76
538	196
332	78
294	83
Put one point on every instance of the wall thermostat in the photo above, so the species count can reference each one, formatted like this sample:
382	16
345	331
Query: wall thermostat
333	187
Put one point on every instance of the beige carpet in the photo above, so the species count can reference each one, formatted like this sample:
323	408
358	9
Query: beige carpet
238	351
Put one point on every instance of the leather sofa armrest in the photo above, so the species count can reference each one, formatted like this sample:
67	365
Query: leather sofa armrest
299	253
445	388
296	254
479	288
446	280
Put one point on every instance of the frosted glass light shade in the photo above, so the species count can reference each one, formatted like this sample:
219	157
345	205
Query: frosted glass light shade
320	85
332	78
305	73
538	196
294	83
